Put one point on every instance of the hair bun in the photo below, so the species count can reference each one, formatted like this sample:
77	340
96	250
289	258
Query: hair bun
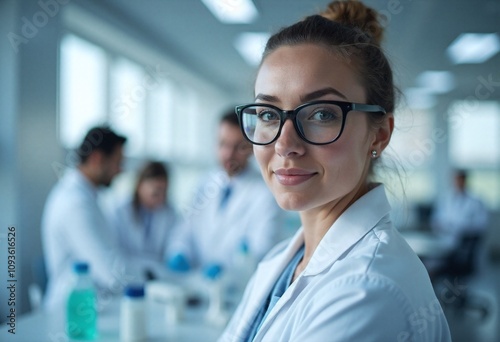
356	14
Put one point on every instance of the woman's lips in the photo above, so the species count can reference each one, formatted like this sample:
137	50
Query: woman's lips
293	176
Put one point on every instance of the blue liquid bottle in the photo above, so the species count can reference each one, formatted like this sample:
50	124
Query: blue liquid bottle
81	319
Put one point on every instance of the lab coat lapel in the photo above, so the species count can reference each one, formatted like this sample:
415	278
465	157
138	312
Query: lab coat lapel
348	229
266	276
284	300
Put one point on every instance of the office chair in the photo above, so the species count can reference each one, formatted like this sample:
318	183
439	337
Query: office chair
459	267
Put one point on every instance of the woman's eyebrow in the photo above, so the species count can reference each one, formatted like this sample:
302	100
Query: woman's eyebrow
267	98
321	92
308	97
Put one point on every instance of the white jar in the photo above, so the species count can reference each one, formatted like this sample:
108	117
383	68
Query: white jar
133	314
169	296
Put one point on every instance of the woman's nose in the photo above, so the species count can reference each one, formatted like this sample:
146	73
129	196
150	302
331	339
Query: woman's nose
289	143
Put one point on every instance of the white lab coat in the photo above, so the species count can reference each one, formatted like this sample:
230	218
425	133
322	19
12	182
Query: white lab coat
363	283
75	229
210	235
130	231
457	214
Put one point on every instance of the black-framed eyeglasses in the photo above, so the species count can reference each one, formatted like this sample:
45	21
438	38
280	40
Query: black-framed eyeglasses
317	122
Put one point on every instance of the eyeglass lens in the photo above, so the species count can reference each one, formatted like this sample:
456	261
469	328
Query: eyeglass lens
318	123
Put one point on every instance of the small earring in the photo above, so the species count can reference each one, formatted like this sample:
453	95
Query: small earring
374	154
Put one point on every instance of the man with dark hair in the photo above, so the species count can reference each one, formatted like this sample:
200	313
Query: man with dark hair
99	138
73	226
100	154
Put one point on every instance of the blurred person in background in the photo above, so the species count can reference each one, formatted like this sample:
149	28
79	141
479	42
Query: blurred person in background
144	222
74	227
459	212
460	221
232	210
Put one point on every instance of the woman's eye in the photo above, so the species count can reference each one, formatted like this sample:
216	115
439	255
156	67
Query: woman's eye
267	115
323	115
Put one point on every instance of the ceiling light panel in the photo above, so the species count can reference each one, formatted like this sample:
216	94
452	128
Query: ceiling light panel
473	48
232	11
251	45
437	82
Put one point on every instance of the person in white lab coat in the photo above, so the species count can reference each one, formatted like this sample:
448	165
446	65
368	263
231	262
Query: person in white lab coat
232	210
459	213
143	223
323	115
75	229
456	218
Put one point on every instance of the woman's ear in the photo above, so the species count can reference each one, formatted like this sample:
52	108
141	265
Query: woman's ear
383	134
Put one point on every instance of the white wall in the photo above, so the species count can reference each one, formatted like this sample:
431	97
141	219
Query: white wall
29	146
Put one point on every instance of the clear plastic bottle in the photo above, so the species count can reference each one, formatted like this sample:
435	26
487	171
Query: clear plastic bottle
133	314
81	313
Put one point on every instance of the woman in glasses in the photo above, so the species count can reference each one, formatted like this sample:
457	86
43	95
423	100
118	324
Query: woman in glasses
321	119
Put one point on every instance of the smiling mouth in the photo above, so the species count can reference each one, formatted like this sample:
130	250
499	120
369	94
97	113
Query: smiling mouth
290	177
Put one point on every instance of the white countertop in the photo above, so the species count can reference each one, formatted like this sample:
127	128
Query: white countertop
40	326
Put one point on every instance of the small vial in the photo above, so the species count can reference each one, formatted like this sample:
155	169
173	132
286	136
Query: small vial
133	314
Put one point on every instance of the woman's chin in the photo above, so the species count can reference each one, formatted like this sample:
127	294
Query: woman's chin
291	201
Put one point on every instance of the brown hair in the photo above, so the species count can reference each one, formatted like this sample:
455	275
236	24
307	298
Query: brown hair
152	169
351	30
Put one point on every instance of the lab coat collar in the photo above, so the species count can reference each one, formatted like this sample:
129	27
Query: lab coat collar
279	261
349	228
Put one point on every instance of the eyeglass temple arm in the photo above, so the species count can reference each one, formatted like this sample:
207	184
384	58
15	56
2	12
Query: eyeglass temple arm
368	108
